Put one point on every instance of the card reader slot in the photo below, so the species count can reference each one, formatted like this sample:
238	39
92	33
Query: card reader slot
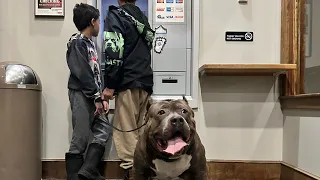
170	81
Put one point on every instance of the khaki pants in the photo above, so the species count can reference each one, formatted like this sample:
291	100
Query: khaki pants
130	109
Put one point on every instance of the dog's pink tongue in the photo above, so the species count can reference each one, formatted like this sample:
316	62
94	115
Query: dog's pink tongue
175	145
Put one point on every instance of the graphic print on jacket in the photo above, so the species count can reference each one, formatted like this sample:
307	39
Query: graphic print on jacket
114	46
128	41
94	64
82	59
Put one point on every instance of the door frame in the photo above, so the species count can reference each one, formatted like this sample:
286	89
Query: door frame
293	44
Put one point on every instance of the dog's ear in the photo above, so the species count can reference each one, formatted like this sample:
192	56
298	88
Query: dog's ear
185	99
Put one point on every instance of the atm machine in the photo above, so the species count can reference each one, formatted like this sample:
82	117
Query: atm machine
175	48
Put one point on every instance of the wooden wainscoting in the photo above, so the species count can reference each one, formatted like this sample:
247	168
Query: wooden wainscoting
218	170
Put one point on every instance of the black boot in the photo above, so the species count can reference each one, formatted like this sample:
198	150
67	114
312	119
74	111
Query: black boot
73	165
89	170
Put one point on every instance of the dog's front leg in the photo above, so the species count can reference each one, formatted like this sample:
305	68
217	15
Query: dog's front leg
142	174
201	172
201	175
140	166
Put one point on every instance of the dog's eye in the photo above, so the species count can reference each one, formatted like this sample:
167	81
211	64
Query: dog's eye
161	112
184	111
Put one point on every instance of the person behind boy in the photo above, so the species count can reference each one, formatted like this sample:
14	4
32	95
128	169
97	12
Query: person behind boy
85	97
127	45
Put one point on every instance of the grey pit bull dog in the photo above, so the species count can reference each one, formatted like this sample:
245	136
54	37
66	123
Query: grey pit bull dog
170	148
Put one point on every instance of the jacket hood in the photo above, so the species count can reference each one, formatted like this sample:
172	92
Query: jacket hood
77	36
72	38
136	16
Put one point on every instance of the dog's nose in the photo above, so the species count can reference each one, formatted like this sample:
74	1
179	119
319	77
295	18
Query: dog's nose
177	121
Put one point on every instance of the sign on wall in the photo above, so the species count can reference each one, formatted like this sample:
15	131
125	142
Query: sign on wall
170	10
49	8
239	36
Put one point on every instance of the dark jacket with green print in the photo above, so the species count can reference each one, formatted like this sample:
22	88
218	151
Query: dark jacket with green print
127	45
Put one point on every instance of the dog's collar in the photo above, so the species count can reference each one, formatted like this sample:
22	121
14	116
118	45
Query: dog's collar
169	159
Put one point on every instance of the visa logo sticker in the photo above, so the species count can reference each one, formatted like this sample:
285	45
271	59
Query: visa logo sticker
179	9
170	9
170	1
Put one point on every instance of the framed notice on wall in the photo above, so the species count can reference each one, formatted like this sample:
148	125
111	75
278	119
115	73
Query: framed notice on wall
49	8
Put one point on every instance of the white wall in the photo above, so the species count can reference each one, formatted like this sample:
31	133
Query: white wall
301	146
312	71
301	127
238	118
41	43
260	16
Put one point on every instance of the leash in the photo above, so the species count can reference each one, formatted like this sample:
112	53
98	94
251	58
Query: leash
105	119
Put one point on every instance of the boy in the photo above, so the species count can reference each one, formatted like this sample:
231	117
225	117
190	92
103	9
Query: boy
84	95
127	45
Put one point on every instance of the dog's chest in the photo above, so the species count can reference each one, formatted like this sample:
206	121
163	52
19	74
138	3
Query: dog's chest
171	170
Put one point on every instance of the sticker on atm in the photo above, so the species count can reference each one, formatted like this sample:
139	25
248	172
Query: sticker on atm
169	1
179	1
160	1
161	30
179	9
170	9
160	9
179	17
160	17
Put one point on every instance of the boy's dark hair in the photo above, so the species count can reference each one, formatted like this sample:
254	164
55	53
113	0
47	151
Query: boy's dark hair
83	14
129	1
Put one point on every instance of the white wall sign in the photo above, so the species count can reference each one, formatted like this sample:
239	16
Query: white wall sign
170	10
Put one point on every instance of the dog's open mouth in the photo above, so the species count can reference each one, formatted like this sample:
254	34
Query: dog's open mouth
173	145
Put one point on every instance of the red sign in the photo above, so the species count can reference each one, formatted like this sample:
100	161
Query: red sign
49	7
160	9
48	4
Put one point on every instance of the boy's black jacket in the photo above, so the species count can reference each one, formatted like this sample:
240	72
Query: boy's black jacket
84	66
127	45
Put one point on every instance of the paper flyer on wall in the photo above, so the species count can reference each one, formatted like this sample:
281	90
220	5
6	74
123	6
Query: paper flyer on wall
170	10
49	7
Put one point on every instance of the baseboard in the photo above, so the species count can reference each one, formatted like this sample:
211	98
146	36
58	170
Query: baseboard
218	169
56	169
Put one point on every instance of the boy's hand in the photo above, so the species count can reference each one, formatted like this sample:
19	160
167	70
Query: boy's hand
106	105
99	108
